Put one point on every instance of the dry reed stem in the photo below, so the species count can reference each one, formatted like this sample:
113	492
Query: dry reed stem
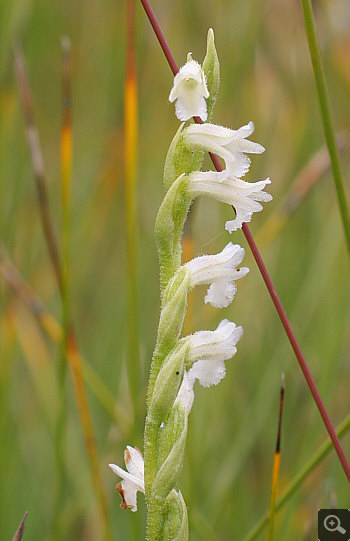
37	163
74	356
19	533
54	331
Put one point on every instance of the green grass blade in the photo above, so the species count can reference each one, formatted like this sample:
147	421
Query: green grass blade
325	111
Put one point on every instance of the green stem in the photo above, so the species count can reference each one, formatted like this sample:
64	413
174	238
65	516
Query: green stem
320	454
325	110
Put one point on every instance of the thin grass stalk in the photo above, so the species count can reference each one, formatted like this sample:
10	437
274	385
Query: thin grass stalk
130	167
276	465
66	181
263	270
52	246
74	356
66	175
130	160
19	533
298	480
37	163
325	110
54	332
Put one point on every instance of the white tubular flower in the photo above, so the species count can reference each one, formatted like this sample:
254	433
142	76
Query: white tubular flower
231	145
243	196
220	271
209	349
133	479
189	91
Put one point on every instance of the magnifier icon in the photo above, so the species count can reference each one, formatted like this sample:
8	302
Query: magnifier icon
332	524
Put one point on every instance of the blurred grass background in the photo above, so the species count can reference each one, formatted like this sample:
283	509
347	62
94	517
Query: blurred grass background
267	78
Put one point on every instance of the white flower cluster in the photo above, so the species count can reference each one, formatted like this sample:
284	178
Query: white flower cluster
207	351
227	186
190	92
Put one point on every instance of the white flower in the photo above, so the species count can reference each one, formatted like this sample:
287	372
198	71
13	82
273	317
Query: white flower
220	271
185	395
190	90
209	349
243	196
133	479
231	145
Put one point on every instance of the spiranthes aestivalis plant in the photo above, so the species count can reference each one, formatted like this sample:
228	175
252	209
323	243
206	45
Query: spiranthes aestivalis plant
178	362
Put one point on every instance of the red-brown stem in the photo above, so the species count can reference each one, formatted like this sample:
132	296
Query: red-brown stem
263	270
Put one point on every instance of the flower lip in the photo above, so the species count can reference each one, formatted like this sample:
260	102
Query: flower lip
208	351
220	272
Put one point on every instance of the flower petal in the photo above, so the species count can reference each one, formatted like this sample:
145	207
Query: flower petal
222	186
219	345
128	492
221	293
137	481
208	373
133	479
185	395
134	461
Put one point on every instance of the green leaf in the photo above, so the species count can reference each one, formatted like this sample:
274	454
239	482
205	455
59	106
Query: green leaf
167	384
168	228
170	469
175	518
180	160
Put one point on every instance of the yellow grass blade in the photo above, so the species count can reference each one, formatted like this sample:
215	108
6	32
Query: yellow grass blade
276	465
130	161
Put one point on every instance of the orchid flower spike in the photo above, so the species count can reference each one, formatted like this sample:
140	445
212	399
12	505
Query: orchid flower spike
230	145
243	196
133	479
220	272
209	349
190	91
